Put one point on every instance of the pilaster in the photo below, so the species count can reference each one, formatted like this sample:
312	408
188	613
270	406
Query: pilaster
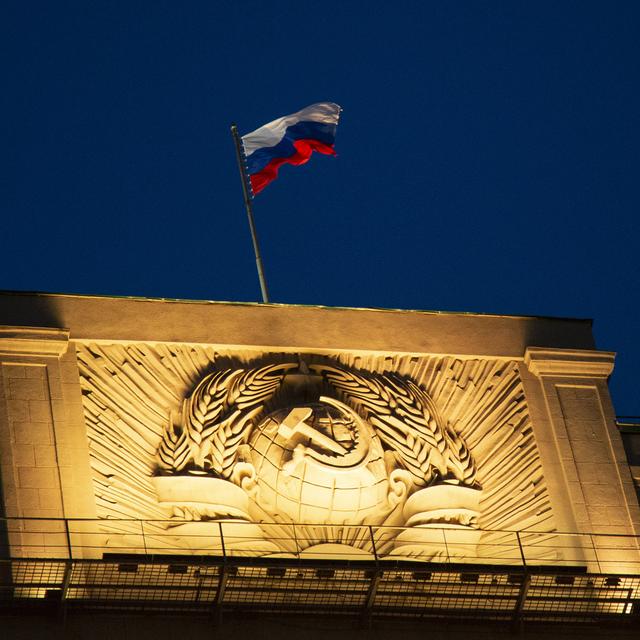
44	453
579	438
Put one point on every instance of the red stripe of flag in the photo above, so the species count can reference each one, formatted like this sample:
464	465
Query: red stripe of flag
304	149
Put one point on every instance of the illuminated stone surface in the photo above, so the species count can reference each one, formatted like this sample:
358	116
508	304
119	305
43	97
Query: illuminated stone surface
298	478
291	428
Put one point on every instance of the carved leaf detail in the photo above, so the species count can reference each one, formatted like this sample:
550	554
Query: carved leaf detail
219	412
407	420
174	451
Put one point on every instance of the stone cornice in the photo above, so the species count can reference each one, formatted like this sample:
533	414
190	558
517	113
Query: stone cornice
573	363
292	327
33	341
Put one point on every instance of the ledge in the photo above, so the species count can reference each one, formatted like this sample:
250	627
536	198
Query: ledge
573	363
26	341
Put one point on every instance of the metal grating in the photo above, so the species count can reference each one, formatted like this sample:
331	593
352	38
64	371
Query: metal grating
297	589
288	586
577	597
27	579
134	585
438	594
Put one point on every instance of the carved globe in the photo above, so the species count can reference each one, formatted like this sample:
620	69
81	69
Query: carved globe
318	463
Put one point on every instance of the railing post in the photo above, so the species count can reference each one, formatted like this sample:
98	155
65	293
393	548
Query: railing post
224	550
521	600
68	535
295	540
375	577
144	540
222	580
595	553
370	599
66	579
524	559
446	546
373	544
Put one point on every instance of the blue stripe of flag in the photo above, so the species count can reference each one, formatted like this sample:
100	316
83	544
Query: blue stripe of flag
260	158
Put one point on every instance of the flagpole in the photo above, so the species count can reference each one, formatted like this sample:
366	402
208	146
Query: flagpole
247	203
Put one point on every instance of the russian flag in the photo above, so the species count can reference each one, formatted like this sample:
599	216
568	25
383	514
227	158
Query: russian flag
289	140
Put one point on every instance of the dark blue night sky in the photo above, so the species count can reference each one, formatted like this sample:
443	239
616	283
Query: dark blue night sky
488	155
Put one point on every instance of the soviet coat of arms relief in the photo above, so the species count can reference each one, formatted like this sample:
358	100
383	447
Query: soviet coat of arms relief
294	457
288	453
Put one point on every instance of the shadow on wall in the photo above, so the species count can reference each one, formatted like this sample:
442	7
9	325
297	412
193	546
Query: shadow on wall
560	334
28	309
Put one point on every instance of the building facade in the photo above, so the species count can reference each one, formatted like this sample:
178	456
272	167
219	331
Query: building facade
139	434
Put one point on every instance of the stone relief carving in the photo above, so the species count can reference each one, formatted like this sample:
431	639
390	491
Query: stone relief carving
322	461
325	444
216	418
407	421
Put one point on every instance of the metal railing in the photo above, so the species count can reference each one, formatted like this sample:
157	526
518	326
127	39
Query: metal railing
215	567
92	538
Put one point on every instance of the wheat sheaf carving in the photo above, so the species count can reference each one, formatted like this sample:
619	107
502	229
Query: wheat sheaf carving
407	421
216	419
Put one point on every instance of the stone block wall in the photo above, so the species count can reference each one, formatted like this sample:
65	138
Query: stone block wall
43	451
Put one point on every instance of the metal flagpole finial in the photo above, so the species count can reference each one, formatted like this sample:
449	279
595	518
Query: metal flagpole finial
246	191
